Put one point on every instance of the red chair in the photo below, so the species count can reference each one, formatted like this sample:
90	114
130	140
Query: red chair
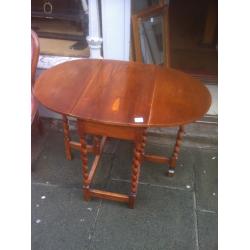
35	50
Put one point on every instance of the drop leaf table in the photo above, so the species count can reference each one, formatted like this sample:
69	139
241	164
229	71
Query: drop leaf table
121	100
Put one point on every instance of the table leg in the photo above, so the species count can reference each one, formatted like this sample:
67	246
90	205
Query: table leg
96	144
174	157
136	166
84	158
67	138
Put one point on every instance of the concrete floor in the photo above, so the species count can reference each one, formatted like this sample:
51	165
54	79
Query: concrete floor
170	213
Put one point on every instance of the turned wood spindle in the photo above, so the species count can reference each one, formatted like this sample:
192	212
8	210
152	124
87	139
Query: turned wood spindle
67	138
136	164
174	157
143	143
97	145
84	158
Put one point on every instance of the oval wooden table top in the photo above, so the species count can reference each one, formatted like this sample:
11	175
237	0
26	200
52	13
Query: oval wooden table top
122	93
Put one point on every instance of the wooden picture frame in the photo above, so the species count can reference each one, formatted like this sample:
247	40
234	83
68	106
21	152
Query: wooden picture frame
138	18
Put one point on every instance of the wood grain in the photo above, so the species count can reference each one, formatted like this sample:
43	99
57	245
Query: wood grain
117	92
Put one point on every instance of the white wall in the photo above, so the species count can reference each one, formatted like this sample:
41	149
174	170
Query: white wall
116	18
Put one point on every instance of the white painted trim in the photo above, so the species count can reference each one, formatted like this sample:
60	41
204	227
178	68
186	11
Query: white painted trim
116	18
85	6
213	89
127	32
95	45
94	38
47	61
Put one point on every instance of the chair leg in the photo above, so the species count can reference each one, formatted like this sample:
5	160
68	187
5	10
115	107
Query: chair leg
84	158
136	166
67	138
174	157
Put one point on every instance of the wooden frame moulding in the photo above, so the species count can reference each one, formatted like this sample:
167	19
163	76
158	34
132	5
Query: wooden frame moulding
137	18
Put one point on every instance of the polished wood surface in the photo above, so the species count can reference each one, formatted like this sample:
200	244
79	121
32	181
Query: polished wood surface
122	93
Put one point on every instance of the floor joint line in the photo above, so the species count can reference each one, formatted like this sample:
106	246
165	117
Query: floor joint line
194	211
195	223
149	184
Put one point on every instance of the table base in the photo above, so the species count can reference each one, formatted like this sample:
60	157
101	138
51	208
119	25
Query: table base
101	132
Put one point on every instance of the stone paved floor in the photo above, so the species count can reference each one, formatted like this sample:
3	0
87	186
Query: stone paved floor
170	213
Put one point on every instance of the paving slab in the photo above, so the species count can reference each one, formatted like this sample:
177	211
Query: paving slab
154	173
208	231
162	219
166	208
60	218
51	166
37	142
196	134
206	179
57	126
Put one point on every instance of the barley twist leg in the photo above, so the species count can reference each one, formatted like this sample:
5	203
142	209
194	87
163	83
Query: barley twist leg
136	165
97	145
84	158
67	138
174	157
